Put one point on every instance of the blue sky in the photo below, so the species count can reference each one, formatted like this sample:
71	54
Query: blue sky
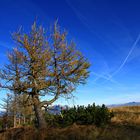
106	31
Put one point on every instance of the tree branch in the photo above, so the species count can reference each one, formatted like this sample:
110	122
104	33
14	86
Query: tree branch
50	101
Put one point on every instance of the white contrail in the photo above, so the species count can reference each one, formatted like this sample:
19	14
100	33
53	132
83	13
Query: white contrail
125	60
104	77
4	45
84	21
108	78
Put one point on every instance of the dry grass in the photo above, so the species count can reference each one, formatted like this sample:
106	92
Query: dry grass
127	115
75	132
125	126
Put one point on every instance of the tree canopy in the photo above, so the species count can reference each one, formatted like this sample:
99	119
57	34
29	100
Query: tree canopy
44	63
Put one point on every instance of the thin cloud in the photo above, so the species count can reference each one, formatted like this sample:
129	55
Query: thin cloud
128	55
4	45
85	22
109	78
104	77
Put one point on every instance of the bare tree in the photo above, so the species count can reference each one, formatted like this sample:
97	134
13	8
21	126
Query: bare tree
44	65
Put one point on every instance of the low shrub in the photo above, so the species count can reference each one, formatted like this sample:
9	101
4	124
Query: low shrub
97	115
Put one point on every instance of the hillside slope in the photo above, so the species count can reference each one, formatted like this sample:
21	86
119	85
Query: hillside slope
124	126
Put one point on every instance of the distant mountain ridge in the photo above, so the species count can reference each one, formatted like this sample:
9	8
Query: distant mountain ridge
125	104
56	109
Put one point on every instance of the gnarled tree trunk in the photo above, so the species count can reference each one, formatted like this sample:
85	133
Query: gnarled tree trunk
41	123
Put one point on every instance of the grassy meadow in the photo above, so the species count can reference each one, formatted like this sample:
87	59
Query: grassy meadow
125	125
126	115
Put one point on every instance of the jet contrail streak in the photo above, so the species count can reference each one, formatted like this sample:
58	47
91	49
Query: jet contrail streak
121	66
104	77
125	60
129	53
108	78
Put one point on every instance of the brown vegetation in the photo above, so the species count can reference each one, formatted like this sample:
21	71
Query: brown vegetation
117	130
127	115
43	64
75	132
